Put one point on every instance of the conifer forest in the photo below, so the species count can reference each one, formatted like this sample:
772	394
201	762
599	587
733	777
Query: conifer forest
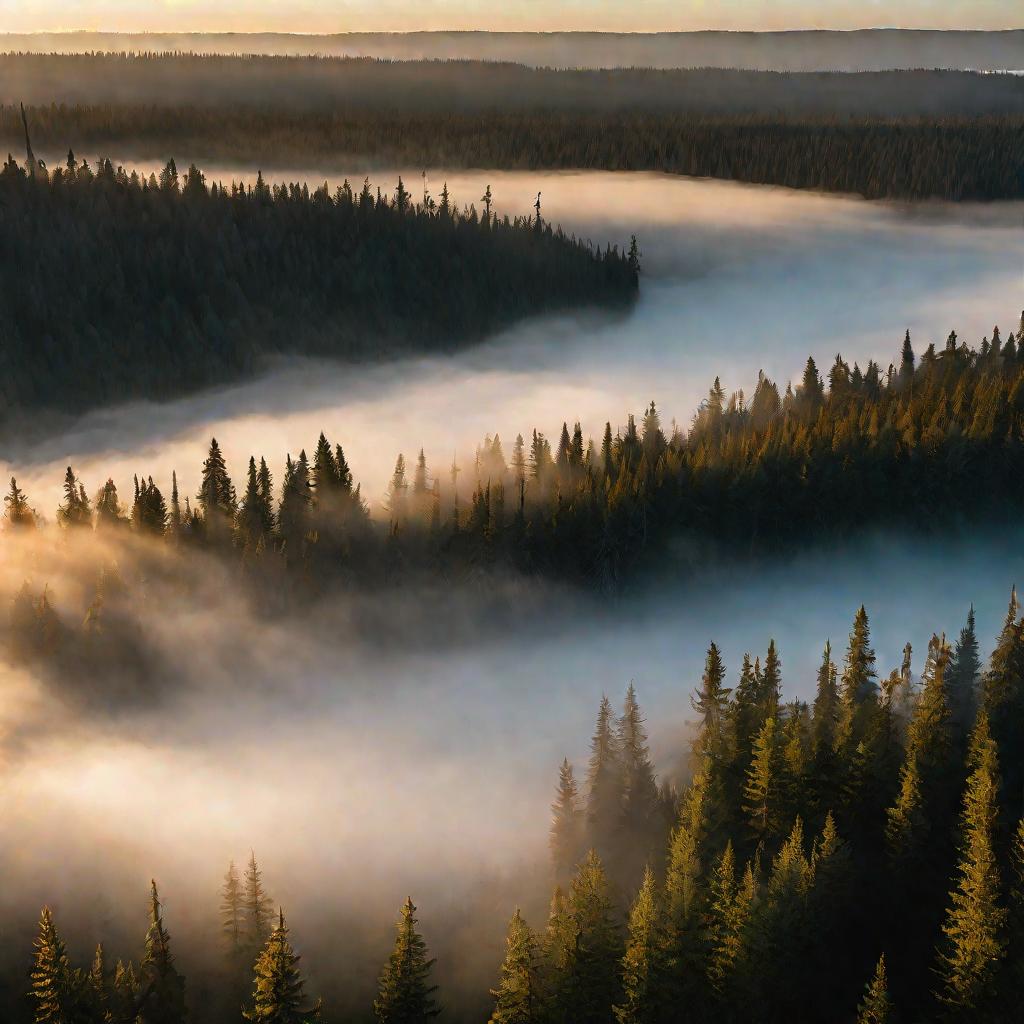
510	543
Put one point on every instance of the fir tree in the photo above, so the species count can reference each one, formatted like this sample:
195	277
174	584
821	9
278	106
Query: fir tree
405	995
162	997
876	1007
604	782
256	908
519	997
593	971
232	911
762	793
55	987
711	703
974	931
277	983
566	836
643	966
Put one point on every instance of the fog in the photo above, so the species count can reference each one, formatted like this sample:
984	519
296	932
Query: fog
363	765
737	278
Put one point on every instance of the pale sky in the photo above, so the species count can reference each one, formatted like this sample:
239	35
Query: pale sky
511	15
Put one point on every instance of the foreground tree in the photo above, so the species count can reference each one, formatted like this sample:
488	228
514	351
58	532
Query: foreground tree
405	995
519	997
974	928
278	984
876	1007
162	996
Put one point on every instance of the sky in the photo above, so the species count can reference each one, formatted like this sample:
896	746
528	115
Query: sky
511	15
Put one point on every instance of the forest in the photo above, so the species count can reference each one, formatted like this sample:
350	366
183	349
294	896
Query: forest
116	286
859	858
930	444
298	85
949	157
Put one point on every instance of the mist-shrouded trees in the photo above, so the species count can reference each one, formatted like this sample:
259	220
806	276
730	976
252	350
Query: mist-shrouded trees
277	996
162	988
604	516
520	997
406	995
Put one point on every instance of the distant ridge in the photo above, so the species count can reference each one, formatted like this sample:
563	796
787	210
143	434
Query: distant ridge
862	50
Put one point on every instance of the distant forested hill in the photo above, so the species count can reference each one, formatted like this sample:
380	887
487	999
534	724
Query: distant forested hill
114	286
906	135
302	84
867	50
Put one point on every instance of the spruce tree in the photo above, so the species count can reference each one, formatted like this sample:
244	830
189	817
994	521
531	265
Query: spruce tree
593	971
762	794
711	703
963	676
405	994
858	683
519	997
162	997
641	808
277	983
643	966
232	910
975	940
876	1007
604	782
566	836
256	909
216	495
55	986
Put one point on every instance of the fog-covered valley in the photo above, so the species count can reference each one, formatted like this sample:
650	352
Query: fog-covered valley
423	759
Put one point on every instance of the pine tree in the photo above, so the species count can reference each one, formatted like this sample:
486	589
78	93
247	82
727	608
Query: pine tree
963	675
163	988
974	931
858	683
762	793
711	703
405	995
74	511
604	782
257	909
18	512
232	909
55	986
643	966
566	836
876	1007
519	997
216	495
278	984
641	817
593	971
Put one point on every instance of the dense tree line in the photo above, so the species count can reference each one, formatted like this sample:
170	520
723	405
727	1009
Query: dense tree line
930	443
310	83
115	286
860	859
909	158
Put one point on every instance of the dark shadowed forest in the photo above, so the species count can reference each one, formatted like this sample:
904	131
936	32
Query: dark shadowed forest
114	285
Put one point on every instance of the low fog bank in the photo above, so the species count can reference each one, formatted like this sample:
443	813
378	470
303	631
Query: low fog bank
866	50
364	768
737	278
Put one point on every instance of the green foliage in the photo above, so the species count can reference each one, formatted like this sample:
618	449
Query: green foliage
405	994
162	988
277	984
643	964
974	930
519	997
876	1007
